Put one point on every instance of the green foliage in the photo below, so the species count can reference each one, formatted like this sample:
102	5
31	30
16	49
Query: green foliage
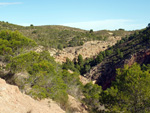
45	76
74	86
121	29
80	60
80	66
76	41
109	52
99	58
60	46
87	67
91	31
13	43
69	65
31	25
146	67
123	49
53	36
121	55
92	94
130	92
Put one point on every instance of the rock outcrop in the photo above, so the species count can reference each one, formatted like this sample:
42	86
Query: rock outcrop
88	50
13	101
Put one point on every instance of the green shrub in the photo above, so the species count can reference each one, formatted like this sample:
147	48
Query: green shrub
45	75
73	83
130	92
13	43
92	95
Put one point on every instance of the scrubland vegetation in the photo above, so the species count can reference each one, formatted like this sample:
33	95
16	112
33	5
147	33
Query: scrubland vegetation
46	78
60	37
129	93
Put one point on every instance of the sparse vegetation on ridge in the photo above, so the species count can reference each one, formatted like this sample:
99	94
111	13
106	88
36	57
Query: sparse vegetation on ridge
61	36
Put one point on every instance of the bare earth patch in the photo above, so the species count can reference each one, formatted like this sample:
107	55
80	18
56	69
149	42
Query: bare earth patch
13	101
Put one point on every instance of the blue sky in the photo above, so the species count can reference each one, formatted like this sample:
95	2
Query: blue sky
84	14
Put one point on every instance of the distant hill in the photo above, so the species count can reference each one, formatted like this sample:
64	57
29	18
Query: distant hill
59	37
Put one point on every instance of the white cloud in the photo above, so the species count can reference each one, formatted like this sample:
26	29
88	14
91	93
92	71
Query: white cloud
9	3
111	24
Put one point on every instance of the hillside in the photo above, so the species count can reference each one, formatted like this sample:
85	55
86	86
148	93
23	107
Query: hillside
127	51
59	37
37	74
30	64
89	49
122	73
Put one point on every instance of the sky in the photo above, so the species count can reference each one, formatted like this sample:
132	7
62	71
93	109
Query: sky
83	14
